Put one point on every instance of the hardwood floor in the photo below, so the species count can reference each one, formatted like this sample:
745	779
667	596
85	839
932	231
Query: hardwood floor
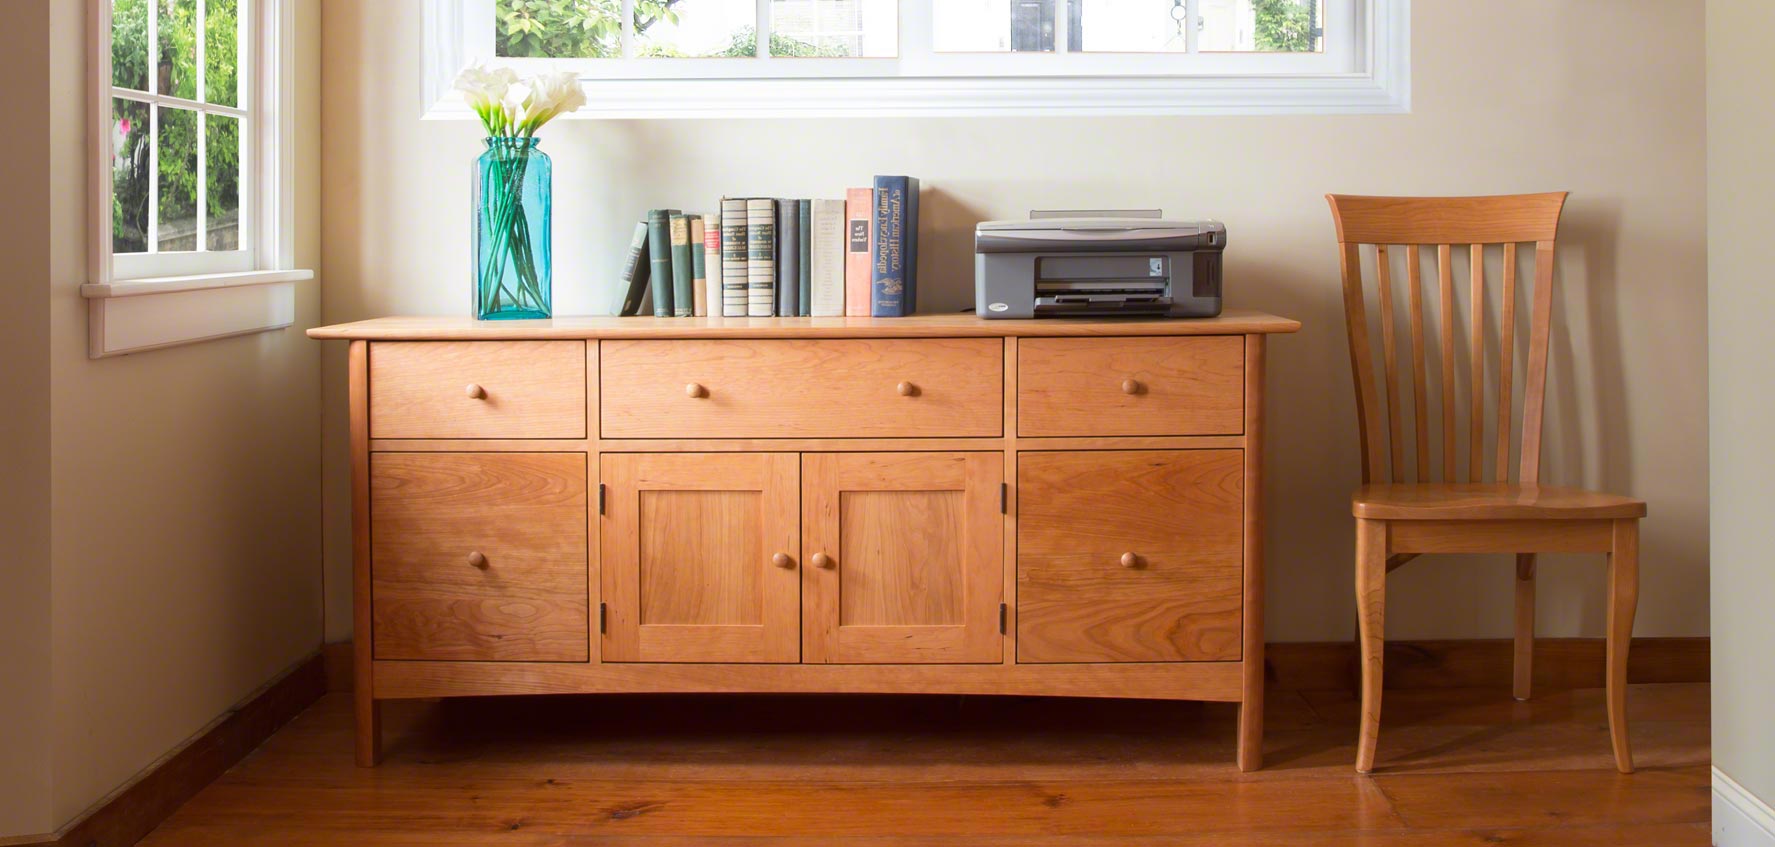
1455	766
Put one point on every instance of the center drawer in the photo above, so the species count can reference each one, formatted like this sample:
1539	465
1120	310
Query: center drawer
802	388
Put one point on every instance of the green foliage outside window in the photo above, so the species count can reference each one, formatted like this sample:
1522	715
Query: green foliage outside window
1284	26
592	29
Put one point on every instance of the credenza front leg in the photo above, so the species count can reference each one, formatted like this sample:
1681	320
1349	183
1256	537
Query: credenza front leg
369	730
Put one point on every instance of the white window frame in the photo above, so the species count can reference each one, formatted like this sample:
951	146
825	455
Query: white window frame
139	302
1364	69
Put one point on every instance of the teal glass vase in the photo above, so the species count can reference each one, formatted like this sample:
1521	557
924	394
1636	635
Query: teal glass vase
512	225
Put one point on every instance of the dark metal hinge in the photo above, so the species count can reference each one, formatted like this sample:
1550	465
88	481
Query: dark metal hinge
600	498
1004	613
603	618
1004	497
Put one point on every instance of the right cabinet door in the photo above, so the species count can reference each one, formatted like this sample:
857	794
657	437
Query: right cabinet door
1130	556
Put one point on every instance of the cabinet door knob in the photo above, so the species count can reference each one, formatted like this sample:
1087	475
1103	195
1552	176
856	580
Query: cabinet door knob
782	560
1130	386
906	389
821	560
1129	560
475	392
478	560
694	390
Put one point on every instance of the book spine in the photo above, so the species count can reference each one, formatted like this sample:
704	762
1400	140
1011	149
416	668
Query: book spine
912	245
699	268
681	269
761	266
659	251
634	273
804	226
827	259
711	298
733	258
788	258
859	215
888	297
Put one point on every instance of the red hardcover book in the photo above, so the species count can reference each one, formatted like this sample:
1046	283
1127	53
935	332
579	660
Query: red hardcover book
859	246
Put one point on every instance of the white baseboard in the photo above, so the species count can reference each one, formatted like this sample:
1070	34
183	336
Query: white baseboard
1740	819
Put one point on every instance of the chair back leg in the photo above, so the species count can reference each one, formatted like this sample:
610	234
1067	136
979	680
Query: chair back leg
1623	601
1525	626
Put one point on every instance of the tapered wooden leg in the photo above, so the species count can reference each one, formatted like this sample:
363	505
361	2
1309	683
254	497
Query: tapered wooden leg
1371	613
1525	625
1623	601
369	730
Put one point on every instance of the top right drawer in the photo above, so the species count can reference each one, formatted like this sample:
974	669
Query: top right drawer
1131	386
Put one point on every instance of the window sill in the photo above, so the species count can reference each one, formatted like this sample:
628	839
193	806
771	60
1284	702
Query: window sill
132	316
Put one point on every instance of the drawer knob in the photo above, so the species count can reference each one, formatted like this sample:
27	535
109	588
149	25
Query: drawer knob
783	561
475	392
1130	386
821	560
478	560
1129	560
694	390
906	389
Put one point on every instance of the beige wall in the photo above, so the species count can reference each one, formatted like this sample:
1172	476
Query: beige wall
1741	299
1601	97
177	492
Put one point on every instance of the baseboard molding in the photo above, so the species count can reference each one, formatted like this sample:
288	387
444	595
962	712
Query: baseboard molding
132	811
1740	819
1560	663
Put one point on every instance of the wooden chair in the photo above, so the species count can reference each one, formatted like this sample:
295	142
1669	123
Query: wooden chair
1397	520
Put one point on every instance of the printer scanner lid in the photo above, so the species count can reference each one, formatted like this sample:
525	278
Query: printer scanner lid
1093	235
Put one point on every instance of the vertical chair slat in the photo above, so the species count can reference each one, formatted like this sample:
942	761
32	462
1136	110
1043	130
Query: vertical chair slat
1420	413
1383	272
1506	349
1356	323
1535	394
1476	366
1445	279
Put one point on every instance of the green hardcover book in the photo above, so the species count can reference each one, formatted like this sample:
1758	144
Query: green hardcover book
659	251
804	209
682	287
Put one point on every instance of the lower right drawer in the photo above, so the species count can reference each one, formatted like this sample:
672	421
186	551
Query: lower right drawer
1130	556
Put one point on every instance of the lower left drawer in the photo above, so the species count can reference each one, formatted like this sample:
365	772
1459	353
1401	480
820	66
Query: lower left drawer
479	556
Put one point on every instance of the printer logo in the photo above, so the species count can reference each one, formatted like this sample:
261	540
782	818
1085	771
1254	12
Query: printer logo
999	307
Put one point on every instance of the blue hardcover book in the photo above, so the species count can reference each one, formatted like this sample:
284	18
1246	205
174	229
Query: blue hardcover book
894	265
804	230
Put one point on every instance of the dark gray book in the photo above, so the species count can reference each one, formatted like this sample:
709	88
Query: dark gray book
804	228
788	259
634	273
659	251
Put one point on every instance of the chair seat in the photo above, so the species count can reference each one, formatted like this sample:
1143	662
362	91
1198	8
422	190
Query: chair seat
1473	501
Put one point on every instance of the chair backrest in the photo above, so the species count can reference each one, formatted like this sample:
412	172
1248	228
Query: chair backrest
1444	223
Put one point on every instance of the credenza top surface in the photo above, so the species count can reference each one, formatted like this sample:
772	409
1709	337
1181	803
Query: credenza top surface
1230	322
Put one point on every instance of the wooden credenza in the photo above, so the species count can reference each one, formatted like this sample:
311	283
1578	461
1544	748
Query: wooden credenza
937	504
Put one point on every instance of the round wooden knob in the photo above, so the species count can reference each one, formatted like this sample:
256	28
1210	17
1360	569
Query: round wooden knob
1129	560
478	560
782	560
1130	387
906	389
694	390
821	560
475	392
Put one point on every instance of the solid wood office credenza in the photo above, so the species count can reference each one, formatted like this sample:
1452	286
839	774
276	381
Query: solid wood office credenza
935	504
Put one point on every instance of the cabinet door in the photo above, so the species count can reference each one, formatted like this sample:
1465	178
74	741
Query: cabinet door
699	558
904	557
1130	556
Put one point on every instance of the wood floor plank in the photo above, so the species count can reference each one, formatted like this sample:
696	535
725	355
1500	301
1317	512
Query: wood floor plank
1560	798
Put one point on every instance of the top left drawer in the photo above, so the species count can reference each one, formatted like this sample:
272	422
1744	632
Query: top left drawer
478	389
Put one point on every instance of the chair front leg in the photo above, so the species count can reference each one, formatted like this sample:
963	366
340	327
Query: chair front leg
1371	613
1525	626
1623	601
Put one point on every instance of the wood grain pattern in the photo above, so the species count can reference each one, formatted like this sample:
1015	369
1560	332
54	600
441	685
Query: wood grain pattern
686	547
1454	220
785	388
1623	601
531	389
1534	404
1527	535
1180	512
1523	638
1383	271
525	513
1476	363
1420	397
1183	386
1371	618
1445	286
368	743
1251	704
1489	501
916	546
1560	663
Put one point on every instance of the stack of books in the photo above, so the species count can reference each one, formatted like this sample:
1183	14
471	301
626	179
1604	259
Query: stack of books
766	257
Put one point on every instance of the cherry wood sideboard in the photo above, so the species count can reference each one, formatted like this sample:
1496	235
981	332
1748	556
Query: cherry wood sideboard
935	504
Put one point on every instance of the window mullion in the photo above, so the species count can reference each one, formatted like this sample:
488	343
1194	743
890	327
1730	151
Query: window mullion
1192	26
626	29
761	26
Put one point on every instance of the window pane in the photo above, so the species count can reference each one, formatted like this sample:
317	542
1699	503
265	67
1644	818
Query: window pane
178	180
845	28
993	26
696	28
558	29
129	44
221	52
129	176
178	47
1267	26
1129	26
222	178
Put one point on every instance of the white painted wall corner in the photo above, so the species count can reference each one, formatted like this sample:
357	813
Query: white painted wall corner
1740	818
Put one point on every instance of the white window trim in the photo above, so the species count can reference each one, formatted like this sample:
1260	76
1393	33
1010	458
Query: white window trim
456	36
144	313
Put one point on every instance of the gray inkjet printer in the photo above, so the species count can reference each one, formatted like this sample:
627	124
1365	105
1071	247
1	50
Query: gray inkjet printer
1097	264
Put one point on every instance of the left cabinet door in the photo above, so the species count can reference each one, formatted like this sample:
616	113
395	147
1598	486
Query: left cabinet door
700	557
479	556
